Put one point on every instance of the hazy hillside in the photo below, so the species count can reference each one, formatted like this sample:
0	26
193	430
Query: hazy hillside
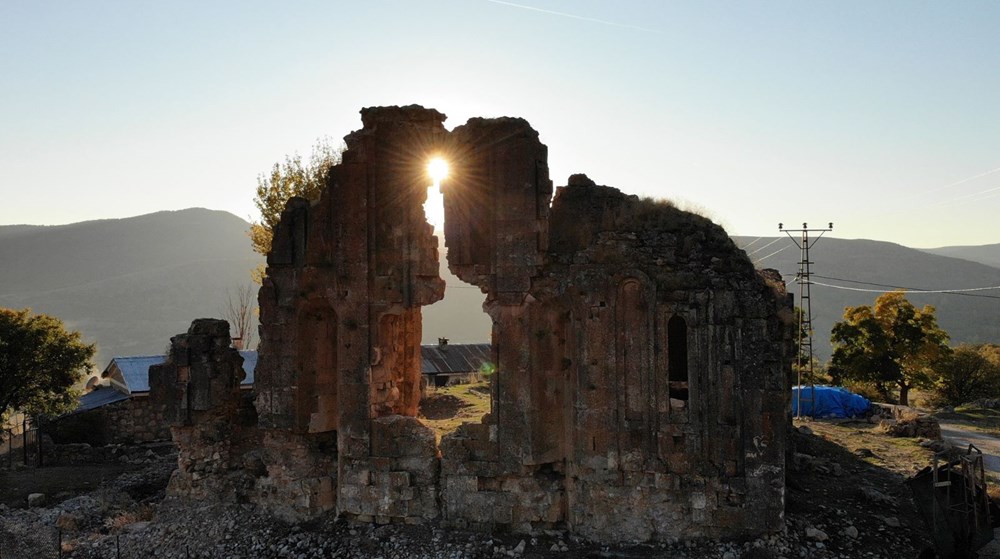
128	284
459	316
972	317
985	254
7	231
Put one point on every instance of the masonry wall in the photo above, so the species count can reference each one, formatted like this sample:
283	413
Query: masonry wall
134	420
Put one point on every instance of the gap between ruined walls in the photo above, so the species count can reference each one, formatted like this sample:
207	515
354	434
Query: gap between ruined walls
642	360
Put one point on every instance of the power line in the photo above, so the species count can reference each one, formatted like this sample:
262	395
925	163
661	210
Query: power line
448	285
967	292
763	258
751	243
763	247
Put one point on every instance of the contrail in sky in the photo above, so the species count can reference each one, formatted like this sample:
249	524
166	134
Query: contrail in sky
574	16
963	181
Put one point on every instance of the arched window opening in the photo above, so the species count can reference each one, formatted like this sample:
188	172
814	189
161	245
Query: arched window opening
677	358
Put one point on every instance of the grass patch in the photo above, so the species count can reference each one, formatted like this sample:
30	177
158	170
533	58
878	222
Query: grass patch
445	408
898	454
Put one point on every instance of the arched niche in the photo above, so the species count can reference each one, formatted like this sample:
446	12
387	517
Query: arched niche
316	368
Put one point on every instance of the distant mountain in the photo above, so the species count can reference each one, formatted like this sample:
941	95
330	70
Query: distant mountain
127	284
985	254
14	230
130	284
859	268
459	316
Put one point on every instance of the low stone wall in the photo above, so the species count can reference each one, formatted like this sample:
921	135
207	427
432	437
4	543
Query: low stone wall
904	421
135	420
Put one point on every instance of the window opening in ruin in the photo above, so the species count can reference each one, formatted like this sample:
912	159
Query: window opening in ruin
456	333
437	170
677	358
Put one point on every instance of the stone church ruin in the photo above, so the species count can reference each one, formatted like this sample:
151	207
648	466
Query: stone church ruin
641	360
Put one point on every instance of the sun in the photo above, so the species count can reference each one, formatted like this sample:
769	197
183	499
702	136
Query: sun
437	168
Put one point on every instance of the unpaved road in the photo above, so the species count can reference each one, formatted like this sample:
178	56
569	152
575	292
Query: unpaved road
962	435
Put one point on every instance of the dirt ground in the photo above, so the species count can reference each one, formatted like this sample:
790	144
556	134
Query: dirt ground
56	482
444	409
845	498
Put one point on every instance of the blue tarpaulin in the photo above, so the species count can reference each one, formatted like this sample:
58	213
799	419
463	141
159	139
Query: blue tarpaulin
829	401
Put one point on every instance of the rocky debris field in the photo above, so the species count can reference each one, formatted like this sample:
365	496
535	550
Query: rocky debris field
842	503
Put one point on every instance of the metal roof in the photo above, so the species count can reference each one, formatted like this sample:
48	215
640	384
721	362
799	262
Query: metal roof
135	370
453	358
97	398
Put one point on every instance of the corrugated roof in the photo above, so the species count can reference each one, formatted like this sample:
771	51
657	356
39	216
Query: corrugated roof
97	398
453	358
135	370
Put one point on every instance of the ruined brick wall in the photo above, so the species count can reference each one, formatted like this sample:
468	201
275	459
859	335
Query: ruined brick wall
222	455
340	317
641	360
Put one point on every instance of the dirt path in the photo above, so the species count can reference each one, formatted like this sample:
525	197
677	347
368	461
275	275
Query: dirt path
962	435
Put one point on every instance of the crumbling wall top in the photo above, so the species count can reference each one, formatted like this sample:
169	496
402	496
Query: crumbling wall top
415	114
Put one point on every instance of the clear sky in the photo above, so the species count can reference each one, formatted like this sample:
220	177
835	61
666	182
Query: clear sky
883	117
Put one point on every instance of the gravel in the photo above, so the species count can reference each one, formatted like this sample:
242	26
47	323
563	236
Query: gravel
130	518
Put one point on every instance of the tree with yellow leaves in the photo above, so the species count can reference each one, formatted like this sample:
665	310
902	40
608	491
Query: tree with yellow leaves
293	177
891	344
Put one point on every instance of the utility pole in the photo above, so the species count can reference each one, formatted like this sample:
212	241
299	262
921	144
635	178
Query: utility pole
804	359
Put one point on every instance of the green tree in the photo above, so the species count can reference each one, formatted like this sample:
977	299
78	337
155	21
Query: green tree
971	372
39	363
293	177
891	344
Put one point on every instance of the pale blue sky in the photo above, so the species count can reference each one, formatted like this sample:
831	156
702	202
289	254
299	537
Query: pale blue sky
862	113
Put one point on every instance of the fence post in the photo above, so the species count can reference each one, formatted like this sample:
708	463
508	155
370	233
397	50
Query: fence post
24	438
38	441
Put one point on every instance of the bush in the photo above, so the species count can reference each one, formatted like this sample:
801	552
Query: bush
970	373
